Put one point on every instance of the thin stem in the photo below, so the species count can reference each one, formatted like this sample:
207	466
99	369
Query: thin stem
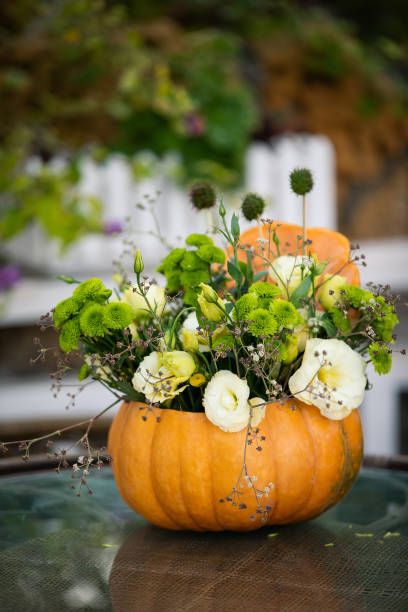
304	223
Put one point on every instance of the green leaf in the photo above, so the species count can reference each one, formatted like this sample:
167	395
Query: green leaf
68	279
250	272
327	325
235	273
301	291
319	268
260	274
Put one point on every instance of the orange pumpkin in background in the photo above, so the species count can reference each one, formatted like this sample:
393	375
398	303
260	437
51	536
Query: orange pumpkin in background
174	471
329	246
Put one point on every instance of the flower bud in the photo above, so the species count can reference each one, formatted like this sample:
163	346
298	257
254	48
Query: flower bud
138	265
211	305
179	363
330	290
222	210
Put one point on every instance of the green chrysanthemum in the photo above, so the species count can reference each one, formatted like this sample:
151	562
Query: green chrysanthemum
64	310
190	296
92	320
92	290
211	254
356	296
245	305
191	261
173	283
252	206
70	334
265	290
262	323
385	320
118	315
192	278
340	320
285	313
172	261
198	240
381	357
301	181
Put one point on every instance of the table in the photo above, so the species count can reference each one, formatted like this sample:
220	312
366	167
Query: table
59	552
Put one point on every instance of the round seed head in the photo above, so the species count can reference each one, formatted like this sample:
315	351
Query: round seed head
202	195
252	206
301	181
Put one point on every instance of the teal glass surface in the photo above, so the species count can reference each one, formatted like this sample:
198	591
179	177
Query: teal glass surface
60	552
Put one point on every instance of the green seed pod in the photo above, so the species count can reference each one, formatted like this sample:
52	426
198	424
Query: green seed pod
301	181
202	195
252	206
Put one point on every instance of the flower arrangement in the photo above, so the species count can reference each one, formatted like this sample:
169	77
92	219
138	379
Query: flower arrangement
235	333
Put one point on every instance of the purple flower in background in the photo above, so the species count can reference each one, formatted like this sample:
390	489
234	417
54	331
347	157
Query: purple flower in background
9	276
112	227
195	124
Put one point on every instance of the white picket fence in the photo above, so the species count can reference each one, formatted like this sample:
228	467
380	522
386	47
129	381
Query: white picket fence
267	173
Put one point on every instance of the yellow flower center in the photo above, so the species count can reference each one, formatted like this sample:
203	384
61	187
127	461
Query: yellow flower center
229	400
330	375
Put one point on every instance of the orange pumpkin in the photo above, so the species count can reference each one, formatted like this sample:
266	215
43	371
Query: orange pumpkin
329	246
174	472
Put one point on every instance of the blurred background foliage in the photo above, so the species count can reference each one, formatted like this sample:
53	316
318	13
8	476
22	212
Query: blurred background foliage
197	80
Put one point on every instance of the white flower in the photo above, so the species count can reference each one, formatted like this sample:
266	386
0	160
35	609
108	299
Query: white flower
155	380
332	377
155	295
287	270
226	401
258	410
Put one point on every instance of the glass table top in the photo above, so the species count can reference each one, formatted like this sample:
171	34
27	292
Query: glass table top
59	552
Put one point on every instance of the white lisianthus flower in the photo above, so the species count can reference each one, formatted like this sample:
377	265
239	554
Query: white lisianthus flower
155	295
332	377
158	381
258	406
226	401
286	271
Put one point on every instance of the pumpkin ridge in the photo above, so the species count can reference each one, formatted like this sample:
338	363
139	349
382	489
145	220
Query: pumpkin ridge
180	476
171	519
348	470
119	437
292	517
210	464
275	487
338	489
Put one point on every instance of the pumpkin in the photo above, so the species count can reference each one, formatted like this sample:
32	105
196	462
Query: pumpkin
174	471
329	246
175	467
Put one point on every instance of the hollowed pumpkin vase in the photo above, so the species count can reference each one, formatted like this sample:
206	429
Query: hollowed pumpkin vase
175	471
